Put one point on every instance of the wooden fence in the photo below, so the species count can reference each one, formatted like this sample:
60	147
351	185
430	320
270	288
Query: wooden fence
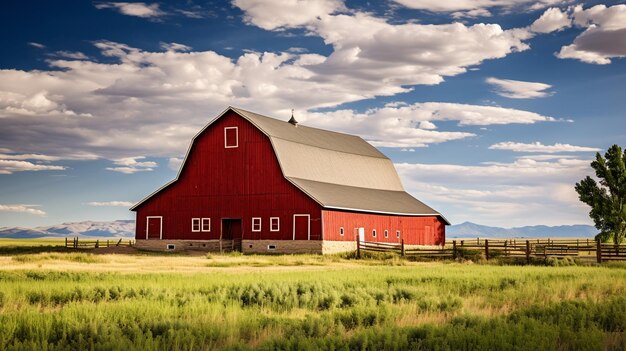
75	243
506	248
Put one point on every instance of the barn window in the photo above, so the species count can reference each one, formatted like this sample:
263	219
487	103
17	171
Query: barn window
206	224
386	233
341	231
373	233
231	137
398	234
256	224
195	224
274	224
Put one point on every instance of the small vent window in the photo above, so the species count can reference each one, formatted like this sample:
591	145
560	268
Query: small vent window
341	231
373	233
231	137
386	233
398	234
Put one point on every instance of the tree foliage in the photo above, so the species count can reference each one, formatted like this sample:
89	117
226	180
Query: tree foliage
607	198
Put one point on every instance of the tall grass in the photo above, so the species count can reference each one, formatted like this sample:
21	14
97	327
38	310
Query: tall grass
419	307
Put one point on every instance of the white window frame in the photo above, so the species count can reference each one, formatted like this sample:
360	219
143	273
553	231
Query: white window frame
341	231
398	234
226	146
272	219
373	233
202	224
193	221
386	233
308	216
148	218
254	224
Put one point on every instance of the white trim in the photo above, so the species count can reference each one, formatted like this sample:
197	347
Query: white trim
236	138
253	224
341	231
202	224
308	225
386	233
374	233
193	225
398	234
277	224
160	225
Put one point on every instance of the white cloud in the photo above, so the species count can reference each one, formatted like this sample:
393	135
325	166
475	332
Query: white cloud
76	55
502	194
474	8
130	165
539	147
551	20
36	45
22	209
272	14
137	9
517	89
604	37
175	47
402	126
111	204
427	125
12	166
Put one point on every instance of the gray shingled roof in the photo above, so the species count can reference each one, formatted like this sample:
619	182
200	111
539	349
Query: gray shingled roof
337	170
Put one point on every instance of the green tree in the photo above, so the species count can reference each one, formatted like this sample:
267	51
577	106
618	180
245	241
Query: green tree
608	198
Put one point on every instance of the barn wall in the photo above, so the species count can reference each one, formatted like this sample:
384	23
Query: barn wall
414	230
219	182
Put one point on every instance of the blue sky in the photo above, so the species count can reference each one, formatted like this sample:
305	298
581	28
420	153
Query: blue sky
491	110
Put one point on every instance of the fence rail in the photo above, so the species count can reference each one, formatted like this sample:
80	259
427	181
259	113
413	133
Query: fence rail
76	243
507	248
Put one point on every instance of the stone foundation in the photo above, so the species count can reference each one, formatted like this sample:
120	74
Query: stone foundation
178	245
251	246
282	246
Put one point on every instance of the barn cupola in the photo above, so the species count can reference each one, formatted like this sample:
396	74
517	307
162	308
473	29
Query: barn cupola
292	120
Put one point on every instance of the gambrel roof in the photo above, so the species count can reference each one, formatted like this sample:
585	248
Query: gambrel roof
338	171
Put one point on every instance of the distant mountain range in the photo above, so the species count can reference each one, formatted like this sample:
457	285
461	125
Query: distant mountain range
114	229
473	230
126	229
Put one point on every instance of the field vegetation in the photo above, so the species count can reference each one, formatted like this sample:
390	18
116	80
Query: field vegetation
78	301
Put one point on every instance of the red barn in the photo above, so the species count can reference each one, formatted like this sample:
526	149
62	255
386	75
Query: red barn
257	184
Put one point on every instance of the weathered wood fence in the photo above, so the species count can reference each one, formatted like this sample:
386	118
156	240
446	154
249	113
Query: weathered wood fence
508	248
75	243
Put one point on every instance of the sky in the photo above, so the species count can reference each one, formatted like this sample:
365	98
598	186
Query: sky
491	110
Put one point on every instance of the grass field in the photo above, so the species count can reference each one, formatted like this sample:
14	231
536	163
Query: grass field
58	300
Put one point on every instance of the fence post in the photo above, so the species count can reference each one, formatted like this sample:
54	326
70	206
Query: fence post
598	251
107	242
478	241
358	247
454	249
527	251
97	243
462	242
65	241
505	252
402	248
76	242
486	249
